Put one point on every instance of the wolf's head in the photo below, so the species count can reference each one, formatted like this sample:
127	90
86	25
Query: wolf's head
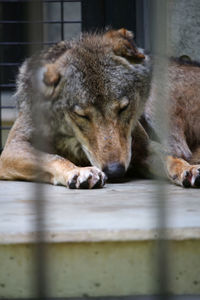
100	84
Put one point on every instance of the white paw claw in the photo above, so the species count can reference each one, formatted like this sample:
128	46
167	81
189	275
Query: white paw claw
191	178
86	178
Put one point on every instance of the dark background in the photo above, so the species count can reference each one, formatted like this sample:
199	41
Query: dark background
96	15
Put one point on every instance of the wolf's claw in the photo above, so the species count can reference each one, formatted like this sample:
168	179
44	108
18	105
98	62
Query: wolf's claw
85	178
191	177
84	185
72	184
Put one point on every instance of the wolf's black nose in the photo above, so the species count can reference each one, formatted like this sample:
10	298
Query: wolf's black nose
114	170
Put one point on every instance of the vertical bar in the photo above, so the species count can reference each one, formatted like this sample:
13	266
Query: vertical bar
35	13
36	37
143	24
120	13
93	15
1	76
62	19
1	145
1	81
140	28
159	15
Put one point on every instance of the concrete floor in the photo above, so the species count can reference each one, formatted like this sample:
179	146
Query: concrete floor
123	211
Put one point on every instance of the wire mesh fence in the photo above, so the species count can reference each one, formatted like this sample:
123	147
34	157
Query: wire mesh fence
56	20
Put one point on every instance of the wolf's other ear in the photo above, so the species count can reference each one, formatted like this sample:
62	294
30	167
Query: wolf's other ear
126	33
51	76
123	44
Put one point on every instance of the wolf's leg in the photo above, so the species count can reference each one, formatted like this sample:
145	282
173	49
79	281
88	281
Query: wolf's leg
178	170
195	158
20	160
182	173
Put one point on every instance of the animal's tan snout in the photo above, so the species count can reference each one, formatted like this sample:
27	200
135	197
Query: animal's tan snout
114	170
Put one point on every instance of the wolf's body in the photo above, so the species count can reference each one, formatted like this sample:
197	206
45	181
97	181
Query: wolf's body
183	111
84	99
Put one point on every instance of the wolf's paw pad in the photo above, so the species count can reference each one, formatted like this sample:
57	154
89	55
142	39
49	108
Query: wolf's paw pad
191	177
86	178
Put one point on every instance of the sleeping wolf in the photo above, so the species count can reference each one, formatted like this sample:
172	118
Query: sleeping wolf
84	100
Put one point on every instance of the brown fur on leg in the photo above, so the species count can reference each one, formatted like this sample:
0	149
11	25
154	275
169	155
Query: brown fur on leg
21	161
195	159
182	173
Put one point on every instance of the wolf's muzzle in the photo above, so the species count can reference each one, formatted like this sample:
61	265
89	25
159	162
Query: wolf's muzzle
114	170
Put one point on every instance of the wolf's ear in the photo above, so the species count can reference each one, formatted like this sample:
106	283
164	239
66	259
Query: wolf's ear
123	44
129	47
47	79
51	76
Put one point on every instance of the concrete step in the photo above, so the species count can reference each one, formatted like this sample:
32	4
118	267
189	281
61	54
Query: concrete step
100	242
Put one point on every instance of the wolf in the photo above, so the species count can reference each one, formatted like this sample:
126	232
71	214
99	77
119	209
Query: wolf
80	104
181	156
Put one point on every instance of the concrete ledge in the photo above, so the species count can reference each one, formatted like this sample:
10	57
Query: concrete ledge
99	242
99	269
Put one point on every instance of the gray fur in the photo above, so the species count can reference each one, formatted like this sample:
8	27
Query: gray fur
91	74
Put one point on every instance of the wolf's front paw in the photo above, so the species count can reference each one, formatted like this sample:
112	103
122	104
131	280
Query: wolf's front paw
182	173
85	178
191	177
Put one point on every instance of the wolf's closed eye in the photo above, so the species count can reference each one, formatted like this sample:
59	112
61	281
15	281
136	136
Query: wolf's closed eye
84	117
80	112
124	103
